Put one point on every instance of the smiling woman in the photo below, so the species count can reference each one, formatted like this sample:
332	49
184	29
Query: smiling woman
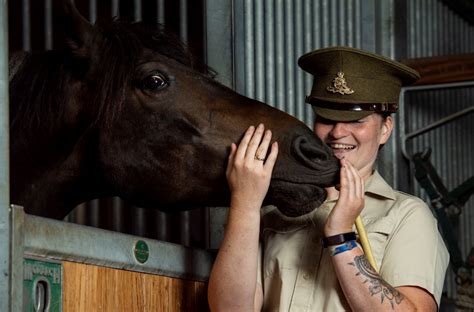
315	262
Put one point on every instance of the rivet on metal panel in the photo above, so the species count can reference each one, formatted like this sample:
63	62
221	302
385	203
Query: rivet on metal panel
141	251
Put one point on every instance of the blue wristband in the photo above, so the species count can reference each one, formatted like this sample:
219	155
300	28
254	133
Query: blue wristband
344	247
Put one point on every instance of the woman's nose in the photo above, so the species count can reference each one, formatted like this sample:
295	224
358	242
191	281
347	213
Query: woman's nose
339	130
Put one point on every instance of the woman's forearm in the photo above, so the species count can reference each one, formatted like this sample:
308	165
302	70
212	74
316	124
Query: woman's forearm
366	290
233	280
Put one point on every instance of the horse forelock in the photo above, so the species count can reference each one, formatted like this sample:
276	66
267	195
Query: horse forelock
38	94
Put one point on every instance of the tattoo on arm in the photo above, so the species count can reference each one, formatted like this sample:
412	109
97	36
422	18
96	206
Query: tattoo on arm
376	284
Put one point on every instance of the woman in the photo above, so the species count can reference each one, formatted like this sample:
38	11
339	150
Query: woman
314	263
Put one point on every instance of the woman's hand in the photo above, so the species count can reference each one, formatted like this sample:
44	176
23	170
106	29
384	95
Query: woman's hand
350	202
248	171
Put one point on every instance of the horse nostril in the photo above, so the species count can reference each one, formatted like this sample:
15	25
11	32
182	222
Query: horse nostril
312	153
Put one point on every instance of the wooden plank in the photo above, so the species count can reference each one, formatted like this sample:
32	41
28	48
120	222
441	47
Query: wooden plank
443	69
93	288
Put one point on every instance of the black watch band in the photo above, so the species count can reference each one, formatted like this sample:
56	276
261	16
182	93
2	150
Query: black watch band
338	239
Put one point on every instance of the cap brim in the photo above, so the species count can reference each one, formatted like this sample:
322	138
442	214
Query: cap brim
340	115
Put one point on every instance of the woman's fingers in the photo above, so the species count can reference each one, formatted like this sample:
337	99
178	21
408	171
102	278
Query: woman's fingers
354	186
262	149
255	143
356	183
253	148
343	189
243	145
272	157
230	162
249	177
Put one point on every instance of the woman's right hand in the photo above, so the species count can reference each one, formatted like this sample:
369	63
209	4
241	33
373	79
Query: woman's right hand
350	203
248	171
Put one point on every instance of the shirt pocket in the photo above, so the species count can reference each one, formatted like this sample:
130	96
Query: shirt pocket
378	232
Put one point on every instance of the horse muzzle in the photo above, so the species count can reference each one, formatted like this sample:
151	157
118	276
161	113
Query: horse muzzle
304	168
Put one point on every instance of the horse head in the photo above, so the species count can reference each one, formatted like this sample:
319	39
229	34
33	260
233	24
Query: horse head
125	110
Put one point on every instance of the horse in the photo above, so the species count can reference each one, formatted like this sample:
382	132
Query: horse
126	110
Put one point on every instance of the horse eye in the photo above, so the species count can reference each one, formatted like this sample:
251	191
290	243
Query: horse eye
154	82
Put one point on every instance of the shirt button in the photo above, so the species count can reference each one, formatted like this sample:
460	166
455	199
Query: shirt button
306	276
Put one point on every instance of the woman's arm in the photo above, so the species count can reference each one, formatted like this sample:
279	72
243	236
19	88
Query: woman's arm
363	287
366	290
233	281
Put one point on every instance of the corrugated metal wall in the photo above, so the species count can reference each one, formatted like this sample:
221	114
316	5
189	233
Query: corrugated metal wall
452	149
433	30
6	223
273	34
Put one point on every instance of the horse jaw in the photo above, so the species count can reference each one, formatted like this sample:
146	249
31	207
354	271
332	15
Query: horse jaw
53	183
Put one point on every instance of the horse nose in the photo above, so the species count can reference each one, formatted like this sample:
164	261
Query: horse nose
312	153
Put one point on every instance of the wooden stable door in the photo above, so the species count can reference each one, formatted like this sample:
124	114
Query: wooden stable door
89	288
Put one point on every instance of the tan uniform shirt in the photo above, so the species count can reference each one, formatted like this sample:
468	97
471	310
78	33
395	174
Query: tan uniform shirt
297	273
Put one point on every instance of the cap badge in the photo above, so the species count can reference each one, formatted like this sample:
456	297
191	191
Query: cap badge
339	85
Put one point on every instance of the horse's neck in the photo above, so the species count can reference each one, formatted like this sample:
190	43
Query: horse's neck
54	183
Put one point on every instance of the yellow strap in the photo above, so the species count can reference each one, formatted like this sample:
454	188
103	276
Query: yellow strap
365	242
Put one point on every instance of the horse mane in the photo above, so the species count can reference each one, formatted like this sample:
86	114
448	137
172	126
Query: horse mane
40	84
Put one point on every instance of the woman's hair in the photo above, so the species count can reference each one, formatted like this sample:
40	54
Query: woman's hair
384	115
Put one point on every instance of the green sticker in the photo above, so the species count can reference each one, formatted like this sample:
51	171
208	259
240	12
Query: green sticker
42	285
141	251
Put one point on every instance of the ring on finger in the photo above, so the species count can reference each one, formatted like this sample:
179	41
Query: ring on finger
259	158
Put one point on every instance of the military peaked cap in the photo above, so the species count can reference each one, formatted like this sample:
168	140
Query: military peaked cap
350	84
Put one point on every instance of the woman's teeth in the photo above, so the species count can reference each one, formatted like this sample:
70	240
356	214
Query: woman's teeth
342	146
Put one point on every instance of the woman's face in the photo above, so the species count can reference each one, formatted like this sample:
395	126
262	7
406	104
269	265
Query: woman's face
357	141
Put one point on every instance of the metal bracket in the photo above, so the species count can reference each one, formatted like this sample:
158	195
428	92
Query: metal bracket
405	137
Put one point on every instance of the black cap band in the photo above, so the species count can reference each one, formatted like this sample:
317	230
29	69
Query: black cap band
374	107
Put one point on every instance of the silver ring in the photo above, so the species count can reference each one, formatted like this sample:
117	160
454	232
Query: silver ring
258	158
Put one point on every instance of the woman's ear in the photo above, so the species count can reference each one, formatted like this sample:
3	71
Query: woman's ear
387	127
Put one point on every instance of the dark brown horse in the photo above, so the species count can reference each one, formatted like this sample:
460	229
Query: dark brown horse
126	111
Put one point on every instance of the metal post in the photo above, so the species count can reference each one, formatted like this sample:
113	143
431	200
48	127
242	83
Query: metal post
160	7
115	12
48	25
137	10
92	11
219	56
26	25
5	215
218	38
185	235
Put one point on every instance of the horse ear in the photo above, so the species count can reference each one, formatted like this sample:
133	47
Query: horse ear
78	30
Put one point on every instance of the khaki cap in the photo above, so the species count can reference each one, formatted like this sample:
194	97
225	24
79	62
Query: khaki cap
350	84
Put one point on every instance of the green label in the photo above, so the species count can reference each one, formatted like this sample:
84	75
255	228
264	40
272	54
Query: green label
42	286
141	252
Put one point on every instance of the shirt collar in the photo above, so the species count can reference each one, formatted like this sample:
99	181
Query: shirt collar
376	185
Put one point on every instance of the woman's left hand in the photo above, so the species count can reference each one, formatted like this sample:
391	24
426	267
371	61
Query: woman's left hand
350	202
248	172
